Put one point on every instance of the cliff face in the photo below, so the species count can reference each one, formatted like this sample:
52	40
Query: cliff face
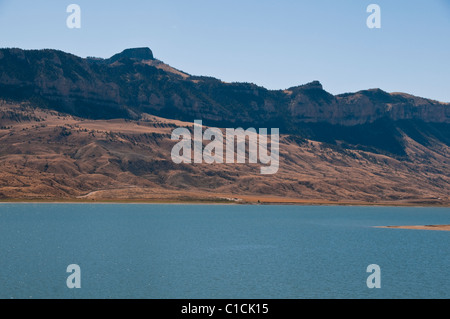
134	82
310	103
73	127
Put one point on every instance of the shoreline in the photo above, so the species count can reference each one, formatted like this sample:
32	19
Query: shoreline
250	200
420	227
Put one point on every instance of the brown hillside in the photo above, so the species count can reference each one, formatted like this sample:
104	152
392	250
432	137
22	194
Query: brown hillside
51	156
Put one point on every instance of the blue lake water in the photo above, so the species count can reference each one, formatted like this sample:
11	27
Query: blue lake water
220	251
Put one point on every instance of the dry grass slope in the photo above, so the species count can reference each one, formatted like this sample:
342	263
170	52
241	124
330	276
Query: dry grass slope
45	155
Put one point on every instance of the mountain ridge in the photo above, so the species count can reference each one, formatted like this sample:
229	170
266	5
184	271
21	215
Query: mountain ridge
99	129
101	72
133	82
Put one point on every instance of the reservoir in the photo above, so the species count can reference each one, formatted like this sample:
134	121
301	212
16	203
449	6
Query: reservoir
221	251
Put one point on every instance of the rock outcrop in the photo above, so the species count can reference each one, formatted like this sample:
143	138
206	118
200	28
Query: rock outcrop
133	82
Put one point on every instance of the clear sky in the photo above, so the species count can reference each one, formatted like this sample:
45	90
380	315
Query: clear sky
275	44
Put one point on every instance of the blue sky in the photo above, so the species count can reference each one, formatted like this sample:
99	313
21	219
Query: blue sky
275	44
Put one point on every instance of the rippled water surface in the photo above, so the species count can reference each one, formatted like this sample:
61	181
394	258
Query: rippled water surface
214	251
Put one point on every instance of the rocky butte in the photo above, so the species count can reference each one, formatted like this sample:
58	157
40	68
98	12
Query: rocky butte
96	129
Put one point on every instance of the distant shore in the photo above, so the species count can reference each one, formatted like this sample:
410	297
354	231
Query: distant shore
242	200
424	227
